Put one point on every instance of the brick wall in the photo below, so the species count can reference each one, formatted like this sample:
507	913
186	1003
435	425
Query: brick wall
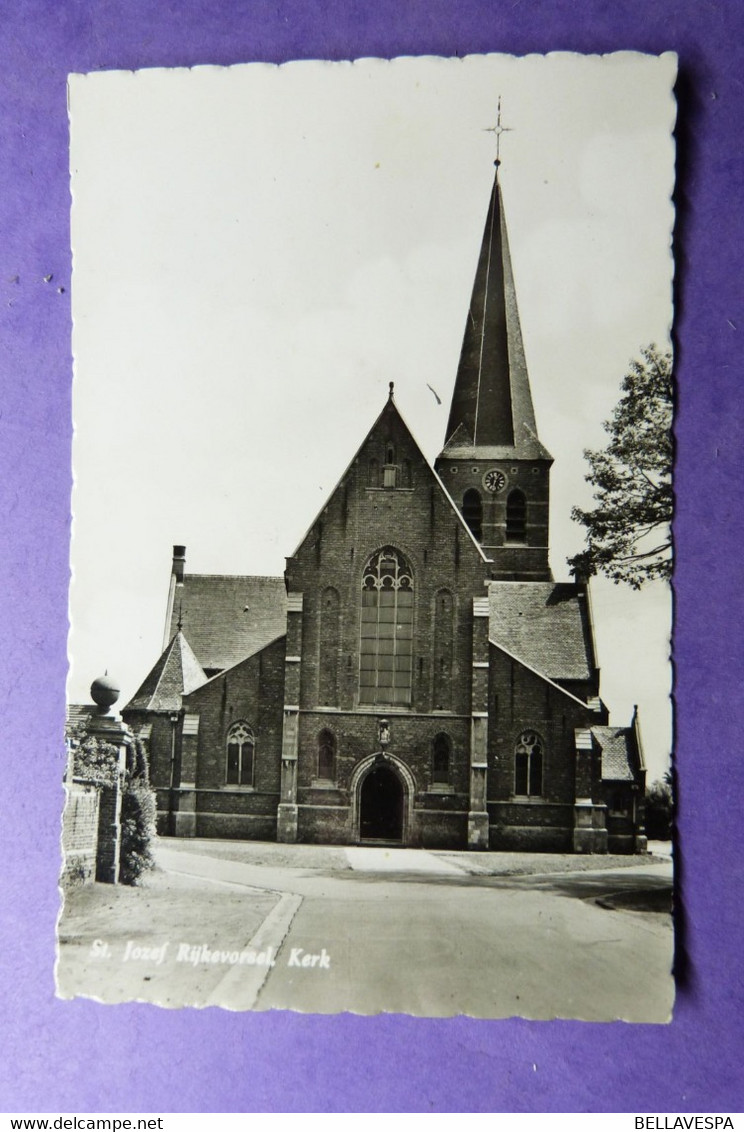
251	691
519	699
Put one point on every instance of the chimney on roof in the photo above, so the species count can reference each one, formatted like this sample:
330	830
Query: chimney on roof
179	562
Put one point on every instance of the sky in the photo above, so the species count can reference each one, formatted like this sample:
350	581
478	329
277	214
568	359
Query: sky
259	250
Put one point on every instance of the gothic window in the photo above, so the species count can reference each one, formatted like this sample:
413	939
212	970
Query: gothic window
472	512
329	648
406	479
442	659
441	752
516	517
528	765
386	642
327	755
241	746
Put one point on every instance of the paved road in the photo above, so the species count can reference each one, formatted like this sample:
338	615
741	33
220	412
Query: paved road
408	931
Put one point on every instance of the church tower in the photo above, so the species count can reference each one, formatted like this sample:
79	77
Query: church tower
493	464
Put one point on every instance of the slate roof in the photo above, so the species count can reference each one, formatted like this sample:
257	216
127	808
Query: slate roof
227	618
619	754
176	672
545	624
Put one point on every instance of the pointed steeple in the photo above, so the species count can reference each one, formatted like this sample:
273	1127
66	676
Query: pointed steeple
492	404
493	463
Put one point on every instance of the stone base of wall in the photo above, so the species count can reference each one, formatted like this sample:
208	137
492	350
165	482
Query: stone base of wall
626	843
236	827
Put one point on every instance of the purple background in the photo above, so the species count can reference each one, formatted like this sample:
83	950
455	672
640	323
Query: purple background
81	1056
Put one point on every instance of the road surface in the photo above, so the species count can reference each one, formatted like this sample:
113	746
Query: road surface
408	931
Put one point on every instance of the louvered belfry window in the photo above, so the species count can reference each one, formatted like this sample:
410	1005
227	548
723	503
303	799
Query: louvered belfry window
386	644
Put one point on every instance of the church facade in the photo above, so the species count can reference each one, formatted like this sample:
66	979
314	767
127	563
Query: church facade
416	677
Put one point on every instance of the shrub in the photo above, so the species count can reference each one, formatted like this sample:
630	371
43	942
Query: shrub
138	812
97	761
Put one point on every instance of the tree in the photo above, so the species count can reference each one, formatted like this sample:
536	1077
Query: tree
628	533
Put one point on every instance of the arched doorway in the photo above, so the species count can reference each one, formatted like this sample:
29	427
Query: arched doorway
381	806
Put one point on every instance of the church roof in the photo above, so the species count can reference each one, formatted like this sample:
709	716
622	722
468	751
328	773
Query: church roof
177	672
492	414
229	617
620	759
545	624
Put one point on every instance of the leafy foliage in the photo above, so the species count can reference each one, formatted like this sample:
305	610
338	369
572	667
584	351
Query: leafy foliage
92	759
660	809
628	533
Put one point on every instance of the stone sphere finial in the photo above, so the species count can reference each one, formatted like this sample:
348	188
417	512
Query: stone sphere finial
105	691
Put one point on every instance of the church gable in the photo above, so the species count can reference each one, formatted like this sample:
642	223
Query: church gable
530	716
389	487
387	572
241	706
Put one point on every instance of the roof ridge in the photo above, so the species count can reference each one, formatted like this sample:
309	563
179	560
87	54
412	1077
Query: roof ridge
241	577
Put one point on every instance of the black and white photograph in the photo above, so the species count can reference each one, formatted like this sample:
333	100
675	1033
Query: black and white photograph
370	610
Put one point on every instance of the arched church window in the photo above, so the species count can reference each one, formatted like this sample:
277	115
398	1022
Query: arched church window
441	752
241	747
390	468
327	755
528	765
386	642
472	512
516	516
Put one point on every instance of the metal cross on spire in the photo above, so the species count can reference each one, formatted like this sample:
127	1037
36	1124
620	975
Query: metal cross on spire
498	130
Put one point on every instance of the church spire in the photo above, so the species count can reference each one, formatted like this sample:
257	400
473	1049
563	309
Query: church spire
494	466
492	403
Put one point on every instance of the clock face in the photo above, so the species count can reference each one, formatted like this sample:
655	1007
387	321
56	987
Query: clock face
494	480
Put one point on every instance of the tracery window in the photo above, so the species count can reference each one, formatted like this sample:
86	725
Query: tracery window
386	641
472	512
528	765
327	755
241	747
516	517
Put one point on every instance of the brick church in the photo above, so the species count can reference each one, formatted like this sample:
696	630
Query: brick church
416	677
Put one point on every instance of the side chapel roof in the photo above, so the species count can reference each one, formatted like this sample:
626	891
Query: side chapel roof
545	624
621	756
